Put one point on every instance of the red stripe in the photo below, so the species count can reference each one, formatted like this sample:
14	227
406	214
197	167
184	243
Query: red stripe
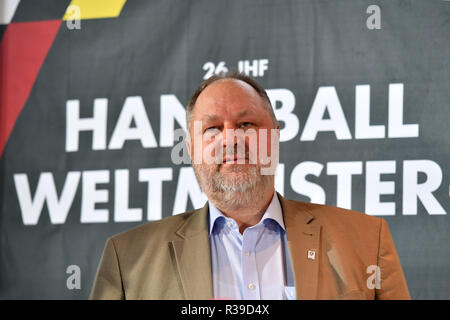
22	51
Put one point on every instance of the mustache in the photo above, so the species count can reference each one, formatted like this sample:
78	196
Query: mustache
232	152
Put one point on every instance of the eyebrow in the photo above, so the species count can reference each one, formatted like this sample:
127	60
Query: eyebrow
213	117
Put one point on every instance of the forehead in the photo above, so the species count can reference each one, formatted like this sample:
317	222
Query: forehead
228	96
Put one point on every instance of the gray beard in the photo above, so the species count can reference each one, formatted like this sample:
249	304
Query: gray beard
233	192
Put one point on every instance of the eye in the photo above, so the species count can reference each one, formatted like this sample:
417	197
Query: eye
211	131
210	128
246	124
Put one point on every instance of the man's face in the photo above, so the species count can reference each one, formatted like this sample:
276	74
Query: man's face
234	129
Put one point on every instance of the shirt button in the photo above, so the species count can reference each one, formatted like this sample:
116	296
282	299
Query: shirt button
229	224
247	253
251	286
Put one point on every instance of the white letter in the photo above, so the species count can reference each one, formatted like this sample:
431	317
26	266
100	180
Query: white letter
154	177
171	109
73	14
180	153
97	124
374	20
412	189
122	213
396	127
344	172
263	66
253	67
74	281
302	186
188	186
45	192
326	99
90	196
363	129
285	112
374	280
375	187
133	109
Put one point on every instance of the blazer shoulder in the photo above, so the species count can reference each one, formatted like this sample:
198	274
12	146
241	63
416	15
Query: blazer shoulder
334	216
163	229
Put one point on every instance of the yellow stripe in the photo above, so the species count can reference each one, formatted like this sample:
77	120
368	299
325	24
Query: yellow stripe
93	9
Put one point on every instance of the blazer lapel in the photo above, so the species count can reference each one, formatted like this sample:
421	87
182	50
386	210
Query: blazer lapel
192	256
303	240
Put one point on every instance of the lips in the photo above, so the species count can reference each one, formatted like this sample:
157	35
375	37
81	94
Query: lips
233	159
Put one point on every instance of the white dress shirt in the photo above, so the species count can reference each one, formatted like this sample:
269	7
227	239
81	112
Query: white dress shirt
254	265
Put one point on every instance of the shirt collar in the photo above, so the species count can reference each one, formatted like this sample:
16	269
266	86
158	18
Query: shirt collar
273	212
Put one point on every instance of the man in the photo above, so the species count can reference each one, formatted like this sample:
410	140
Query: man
248	242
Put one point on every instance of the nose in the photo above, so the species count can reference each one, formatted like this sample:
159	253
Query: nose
228	136
232	135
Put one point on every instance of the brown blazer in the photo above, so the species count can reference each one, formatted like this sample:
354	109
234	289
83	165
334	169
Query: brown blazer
170	258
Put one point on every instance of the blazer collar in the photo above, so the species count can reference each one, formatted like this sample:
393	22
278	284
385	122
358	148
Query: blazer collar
195	223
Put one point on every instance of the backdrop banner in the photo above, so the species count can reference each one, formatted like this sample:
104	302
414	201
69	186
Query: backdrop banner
92	112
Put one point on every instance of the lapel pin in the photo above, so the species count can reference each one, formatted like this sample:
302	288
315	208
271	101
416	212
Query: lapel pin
311	254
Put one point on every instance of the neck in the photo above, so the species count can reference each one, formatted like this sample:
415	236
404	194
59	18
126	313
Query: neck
249	215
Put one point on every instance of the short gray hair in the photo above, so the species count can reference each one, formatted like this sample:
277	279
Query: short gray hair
229	75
